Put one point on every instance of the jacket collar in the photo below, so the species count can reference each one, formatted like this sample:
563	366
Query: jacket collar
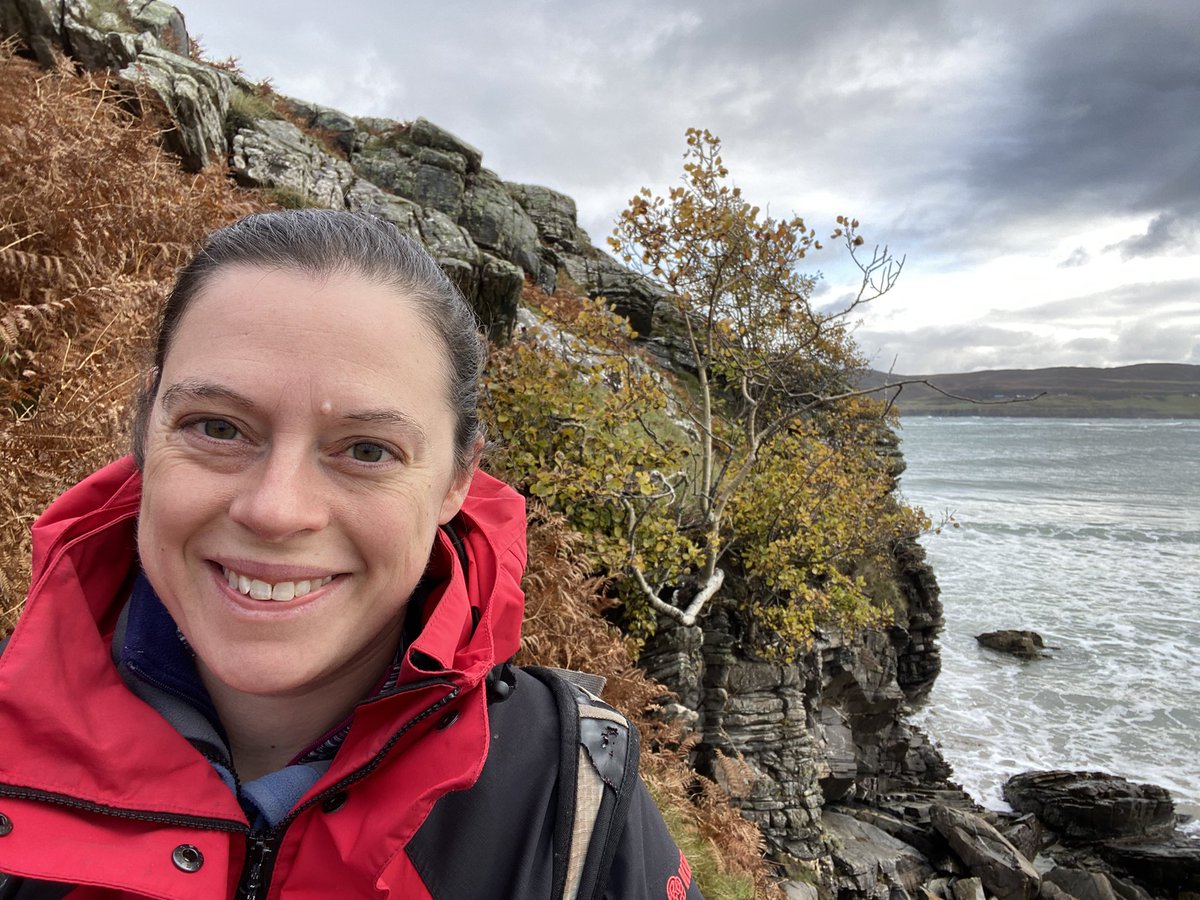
72	726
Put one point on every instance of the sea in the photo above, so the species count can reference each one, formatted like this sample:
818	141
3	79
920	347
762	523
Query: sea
1086	531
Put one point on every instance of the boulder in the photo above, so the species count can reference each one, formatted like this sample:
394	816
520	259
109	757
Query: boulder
273	153
1092	806
632	295
196	98
404	214
1127	890
427	176
339	127
553	214
498	223
1170	866
498	296
35	22
1080	884
968	889
800	890
425	134
445	240
1023	644
95	35
1025	833
164	22
870	861
1004	871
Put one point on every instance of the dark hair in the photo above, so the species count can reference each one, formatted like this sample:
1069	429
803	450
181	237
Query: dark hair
326	242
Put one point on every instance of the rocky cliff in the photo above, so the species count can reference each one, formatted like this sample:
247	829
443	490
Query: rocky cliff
853	800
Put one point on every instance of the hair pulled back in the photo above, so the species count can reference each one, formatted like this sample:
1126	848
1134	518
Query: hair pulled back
322	242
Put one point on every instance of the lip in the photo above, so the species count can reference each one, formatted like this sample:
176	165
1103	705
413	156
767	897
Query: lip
244	605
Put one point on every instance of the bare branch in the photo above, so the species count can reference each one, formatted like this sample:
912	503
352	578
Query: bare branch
846	395
682	616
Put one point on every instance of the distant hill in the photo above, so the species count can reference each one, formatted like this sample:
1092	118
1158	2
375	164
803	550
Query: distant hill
1152	390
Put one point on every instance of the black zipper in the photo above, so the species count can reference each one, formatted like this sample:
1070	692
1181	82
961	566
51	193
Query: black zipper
260	862
263	845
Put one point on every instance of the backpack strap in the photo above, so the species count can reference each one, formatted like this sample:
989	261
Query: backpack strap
597	775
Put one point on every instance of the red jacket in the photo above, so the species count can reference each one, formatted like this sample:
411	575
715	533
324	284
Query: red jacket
98	789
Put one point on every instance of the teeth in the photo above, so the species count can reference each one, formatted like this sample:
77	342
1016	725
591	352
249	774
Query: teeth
284	590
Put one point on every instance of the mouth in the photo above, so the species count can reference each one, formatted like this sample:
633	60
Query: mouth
280	591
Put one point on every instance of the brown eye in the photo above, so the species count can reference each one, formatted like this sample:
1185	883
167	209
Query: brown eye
219	429
368	452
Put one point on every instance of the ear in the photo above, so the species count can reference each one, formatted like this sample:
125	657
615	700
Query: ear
457	494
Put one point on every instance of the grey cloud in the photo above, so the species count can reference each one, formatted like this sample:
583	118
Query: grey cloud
956	348
1090	346
1149	340
1161	297
957	132
1078	257
1168	234
1102	115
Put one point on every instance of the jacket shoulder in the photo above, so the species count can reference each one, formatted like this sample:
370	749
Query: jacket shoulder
497	838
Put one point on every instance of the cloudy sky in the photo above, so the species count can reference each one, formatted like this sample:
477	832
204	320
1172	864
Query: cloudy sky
1037	163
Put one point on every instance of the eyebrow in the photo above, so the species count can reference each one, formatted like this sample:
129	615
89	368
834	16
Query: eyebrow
203	390
390	417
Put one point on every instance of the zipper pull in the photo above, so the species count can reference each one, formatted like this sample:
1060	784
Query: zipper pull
257	871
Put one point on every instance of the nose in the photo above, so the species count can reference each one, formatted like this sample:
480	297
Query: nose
282	496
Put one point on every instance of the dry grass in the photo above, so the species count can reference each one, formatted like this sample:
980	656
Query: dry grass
94	218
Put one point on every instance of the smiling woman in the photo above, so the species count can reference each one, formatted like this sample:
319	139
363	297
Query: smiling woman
283	613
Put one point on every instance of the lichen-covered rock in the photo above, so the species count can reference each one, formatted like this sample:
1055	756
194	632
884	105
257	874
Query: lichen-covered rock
632	295
1092	806
553	214
36	23
1004	871
195	96
498	296
95	35
427	176
340	128
276	154
163	21
425	134
446	240
498	223
404	214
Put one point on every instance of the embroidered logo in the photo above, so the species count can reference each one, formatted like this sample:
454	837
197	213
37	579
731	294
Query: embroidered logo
677	885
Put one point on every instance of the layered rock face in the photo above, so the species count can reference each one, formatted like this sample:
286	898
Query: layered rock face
788	739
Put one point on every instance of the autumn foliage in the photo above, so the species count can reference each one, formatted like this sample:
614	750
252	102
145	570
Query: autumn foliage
94	218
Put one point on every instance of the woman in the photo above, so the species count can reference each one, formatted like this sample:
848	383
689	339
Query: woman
255	656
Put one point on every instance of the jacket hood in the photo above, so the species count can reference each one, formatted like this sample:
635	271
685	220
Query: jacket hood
74	729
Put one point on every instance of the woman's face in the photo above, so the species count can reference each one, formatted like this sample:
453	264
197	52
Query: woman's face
299	458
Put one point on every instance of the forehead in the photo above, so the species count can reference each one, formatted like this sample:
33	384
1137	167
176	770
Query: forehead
267	324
